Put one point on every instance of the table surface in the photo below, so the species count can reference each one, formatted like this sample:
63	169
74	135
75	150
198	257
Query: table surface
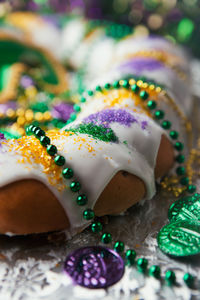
32	267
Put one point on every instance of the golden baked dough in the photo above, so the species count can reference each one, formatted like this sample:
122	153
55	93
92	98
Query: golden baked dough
28	206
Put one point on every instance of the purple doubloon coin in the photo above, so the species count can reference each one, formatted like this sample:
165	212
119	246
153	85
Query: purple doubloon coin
94	267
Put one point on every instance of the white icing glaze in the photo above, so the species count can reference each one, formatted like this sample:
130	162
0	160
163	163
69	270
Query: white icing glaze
88	156
85	49
101	56
180	91
107	52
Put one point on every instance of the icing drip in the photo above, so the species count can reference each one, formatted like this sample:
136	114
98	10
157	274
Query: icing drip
113	132
135	152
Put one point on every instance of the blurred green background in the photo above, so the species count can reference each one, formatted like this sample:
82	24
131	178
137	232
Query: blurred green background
178	20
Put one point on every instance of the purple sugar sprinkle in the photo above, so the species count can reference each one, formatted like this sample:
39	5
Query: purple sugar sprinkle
62	111
94	267
144	124
108	116
141	64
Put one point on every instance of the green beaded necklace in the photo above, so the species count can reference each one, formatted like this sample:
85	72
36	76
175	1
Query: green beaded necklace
157	114
81	199
59	160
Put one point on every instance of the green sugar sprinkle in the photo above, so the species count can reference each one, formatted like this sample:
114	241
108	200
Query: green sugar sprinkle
97	132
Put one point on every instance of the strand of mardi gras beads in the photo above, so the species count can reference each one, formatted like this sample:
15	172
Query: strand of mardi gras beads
96	226
143	91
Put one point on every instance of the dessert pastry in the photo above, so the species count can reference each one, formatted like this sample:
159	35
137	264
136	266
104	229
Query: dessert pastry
114	163
105	159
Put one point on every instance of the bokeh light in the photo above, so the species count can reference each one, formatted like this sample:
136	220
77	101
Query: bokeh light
178	19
